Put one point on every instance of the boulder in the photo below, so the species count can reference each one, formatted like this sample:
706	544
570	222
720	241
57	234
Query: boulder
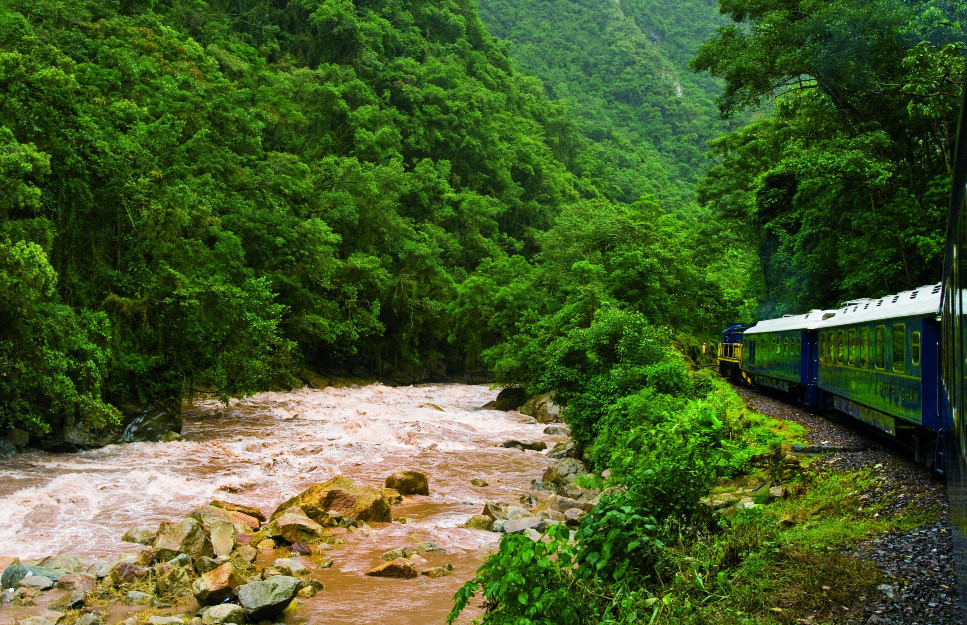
7	449
47	618
35	581
525	445
266	599
216	585
562	504
69	564
165	620
92	618
564	449
128	573
223	538
398	568
150	423
205	564
478	522
17	437
234	507
573	516
555	430
74	600
171	437
399	552
518	526
409	483
77	581
511	398
208	516
172	580
392	496
479	483
294	526
187	536
140	535
246	553
136	597
441	571
344	498
493	511
564	471
547	412
224	614
290	567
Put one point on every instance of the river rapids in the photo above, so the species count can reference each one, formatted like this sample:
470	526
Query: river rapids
267	448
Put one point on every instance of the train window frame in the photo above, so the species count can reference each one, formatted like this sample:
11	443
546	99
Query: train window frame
899	347
840	347
879	347
851	347
864	347
915	348
822	347
798	347
785	346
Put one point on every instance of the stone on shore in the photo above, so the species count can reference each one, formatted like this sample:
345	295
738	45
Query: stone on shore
478	522
136	597
399	568
216	585
35	581
266	599
165	620
91	618
187	536
290	567
71	601
493	511
128	573
294	526
140	535
172	580
511	398
519	526
70	564
226	613
555	430
439	571
234	507
525	445
77	581
223	538
392	496
340	497
564	471
409	483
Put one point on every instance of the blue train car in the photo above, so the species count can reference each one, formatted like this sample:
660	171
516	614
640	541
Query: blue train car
878	362
782	353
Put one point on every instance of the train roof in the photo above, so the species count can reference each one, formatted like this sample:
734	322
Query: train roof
924	301
807	321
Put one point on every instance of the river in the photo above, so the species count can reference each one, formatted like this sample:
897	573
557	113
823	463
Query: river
267	448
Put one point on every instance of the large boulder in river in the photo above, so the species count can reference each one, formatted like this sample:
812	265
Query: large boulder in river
150	423
344	498
511	398
294	526
564	471
265	600
216	585
409	483
399	568
542	408
187	536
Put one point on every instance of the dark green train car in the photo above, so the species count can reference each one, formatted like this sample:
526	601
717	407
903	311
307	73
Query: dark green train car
781	353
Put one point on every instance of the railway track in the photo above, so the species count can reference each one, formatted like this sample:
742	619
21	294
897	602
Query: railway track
920	583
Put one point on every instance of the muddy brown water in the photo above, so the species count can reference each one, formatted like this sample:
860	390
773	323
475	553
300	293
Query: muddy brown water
269	447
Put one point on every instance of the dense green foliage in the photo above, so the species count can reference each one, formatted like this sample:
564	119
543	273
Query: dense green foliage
621	71
844	188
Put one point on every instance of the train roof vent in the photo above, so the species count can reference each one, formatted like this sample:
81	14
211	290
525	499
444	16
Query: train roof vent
828	316
936	289
784	316
879	303
895	298
913	294
867	306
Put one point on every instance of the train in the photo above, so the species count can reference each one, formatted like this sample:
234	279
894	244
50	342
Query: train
898	363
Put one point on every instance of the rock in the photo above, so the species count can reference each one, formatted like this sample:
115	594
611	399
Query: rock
399	568
266	599
6	562
525	445
572	516
134	597
479	483
606	474
268	544
150	423
17	437
224	614
547	411
141	557
439	571
69	564
187	536
431	407
216	585
35	581
40	620
77	581
392	496
173	581
572	491
74	600
564	471
490	405
205	564
301	549
234	507
399	552
564	449
516	512
12	574
180	560
247	553
165	620
553	515
511	398
8	449
561	504
518	526
342	496
555	430
777	492
92	618
140	535
493	511
409	483
209	516
290	567
294	526
100	570
223	538
170	437
307	592
478	522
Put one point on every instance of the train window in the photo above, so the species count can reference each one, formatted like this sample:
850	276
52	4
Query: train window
899	347
798	346
852	346
840	347
915	349
785	345
778	345
879	347
864	347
